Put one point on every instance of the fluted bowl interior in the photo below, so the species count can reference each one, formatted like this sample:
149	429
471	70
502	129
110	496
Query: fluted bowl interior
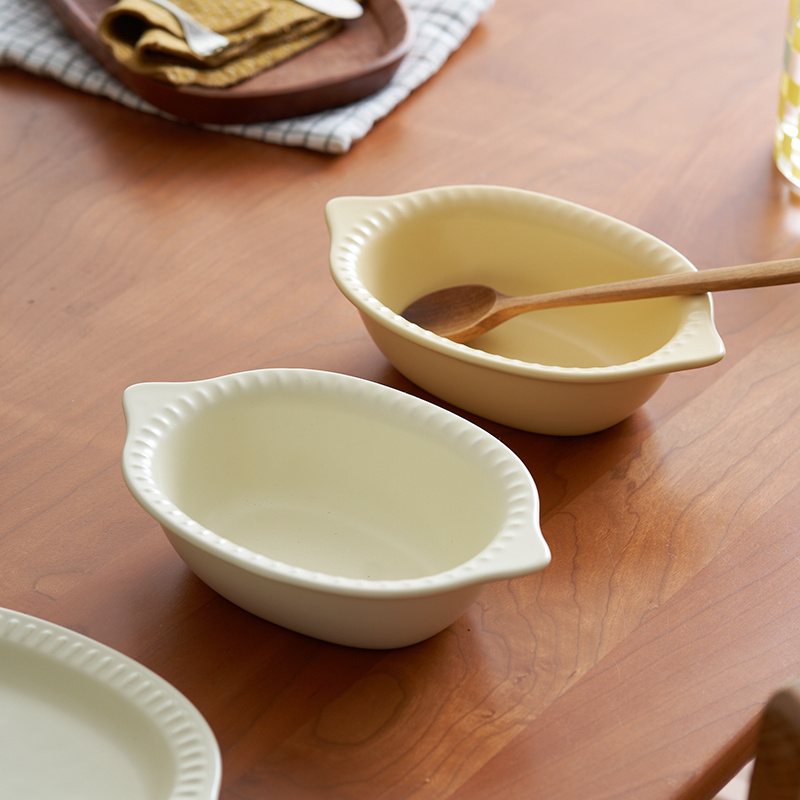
329	486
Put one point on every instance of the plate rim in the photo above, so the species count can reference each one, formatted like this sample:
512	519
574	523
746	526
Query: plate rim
192	744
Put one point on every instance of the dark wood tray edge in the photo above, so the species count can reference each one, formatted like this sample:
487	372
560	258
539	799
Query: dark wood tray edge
225	107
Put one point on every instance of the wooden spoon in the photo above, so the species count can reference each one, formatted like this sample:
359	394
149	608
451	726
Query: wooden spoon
462	313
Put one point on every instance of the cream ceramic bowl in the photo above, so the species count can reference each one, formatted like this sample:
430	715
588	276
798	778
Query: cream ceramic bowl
331	505
561	371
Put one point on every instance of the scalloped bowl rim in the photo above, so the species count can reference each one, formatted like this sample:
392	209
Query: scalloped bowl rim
148	429
676	354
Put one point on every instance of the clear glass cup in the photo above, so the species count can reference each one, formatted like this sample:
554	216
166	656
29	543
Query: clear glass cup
787	129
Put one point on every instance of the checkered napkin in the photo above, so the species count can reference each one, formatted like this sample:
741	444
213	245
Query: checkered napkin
33	39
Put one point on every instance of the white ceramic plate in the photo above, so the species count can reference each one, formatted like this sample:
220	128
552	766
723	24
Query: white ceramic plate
80	721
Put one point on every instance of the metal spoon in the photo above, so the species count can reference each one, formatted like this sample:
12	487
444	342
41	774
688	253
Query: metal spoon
343	9
462	313
201	40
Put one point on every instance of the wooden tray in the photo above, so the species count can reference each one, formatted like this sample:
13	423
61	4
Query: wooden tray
353	64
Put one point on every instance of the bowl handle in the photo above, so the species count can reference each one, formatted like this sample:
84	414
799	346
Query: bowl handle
142	401
527	552
342	213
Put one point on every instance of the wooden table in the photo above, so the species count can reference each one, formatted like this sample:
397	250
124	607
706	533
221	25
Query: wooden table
135	249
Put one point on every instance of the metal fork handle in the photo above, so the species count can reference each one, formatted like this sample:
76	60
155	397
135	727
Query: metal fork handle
199	38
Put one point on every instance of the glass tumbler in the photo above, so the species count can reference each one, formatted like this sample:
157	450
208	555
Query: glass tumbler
787	130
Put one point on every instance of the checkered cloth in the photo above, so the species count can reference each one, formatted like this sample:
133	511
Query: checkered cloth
33	39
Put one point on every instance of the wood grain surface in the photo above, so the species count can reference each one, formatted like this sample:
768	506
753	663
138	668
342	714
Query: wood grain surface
636	665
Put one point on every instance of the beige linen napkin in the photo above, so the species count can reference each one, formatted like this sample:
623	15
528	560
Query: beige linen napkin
148	40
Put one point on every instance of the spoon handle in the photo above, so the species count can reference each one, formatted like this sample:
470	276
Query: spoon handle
748	276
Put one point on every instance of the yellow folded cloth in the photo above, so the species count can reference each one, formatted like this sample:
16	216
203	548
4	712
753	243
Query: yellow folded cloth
148	40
